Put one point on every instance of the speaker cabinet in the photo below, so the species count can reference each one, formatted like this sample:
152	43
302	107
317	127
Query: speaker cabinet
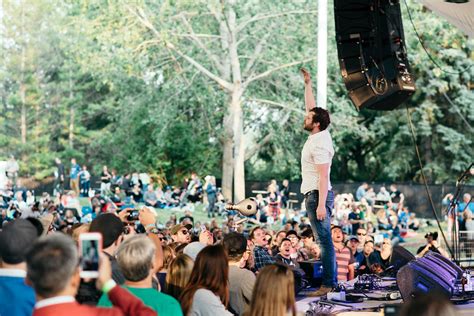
429	274
372	53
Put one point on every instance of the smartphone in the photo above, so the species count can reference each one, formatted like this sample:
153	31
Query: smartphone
133	216
378	238
90	246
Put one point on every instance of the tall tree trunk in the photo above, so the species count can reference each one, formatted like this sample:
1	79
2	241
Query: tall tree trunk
227	158
23	112
227	142
236	107
22	83
239	146
71	113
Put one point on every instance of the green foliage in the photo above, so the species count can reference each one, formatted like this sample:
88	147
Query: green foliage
101	87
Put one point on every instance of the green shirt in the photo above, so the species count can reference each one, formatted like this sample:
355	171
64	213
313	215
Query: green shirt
162	303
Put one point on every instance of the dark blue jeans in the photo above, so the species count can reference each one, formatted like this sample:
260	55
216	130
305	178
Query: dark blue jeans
322	236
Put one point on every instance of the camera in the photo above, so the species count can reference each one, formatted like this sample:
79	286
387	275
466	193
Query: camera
132	215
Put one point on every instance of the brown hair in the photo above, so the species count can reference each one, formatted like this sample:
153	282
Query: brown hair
321	116
168	256
253	230
210	272
266	300
178	274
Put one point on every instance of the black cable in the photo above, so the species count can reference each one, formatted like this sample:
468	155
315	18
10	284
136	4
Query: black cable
426	51
425	182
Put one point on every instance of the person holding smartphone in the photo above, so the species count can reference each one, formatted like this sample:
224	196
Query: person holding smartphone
53	272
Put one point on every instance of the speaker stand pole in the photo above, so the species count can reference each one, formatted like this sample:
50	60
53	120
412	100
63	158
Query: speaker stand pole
452	209
322	66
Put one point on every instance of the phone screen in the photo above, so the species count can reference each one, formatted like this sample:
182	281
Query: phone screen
90	257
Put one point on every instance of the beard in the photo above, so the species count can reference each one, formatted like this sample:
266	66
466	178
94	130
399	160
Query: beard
308	127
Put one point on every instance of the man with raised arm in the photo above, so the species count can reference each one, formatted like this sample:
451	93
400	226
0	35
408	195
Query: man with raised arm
316	158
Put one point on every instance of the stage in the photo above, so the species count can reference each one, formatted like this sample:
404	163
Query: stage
373	300
302	305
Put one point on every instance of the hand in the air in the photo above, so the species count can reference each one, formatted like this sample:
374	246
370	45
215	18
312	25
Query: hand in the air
306	75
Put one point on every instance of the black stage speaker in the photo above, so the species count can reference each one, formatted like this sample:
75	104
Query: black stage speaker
372	53
400	257
430	274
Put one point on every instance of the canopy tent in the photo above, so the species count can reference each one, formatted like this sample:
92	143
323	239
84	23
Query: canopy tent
459	14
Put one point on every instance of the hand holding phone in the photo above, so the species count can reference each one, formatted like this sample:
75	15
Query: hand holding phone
105	271
90	247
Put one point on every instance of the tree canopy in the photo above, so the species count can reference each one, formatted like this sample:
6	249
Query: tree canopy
172	86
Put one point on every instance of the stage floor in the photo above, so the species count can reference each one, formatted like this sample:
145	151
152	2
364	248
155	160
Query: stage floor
372	300
302	305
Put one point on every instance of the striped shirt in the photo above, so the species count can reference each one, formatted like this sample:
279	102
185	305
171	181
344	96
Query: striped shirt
343	258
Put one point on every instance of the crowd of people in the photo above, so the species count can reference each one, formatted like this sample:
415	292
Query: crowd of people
182	266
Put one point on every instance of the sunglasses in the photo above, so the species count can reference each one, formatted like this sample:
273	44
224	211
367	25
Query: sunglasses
184	231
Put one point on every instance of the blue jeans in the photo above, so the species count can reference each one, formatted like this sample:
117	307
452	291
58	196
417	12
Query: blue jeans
322	235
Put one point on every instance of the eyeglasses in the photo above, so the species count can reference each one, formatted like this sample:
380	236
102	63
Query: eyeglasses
184	231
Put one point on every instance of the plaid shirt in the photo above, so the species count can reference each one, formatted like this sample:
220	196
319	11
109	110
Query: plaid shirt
262	257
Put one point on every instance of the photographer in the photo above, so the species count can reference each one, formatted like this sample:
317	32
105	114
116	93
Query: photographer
431	245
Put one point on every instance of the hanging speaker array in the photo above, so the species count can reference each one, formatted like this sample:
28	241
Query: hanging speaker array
372	53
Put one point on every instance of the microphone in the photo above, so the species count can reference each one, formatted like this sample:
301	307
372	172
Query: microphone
247	207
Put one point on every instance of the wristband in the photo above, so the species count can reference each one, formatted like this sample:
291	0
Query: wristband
108	286
150	226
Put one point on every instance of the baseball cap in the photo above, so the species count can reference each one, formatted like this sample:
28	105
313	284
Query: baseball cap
110	226
16	239
353	238
175	229
193	249
434	235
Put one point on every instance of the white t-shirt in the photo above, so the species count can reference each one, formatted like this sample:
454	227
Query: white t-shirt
317	150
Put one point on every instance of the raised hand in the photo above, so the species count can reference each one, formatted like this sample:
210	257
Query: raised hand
306	75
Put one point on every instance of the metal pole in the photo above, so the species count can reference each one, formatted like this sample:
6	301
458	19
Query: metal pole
322	53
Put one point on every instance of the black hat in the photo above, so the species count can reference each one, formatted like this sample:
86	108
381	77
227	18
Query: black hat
110	226
434	235
292	232
16	239
308	232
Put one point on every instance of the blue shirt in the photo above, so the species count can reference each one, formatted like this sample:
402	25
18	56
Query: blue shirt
262	257
75	169
16	298
360	193
462	207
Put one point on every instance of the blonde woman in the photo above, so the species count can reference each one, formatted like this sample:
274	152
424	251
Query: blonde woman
168	256
177	277
267	301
